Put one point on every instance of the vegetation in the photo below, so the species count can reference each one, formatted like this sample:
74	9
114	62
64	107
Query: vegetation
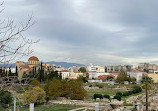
34	95
63	88
5	98
136	89
82	69
124	77
147	81
35	83
107	96
97	96
82	79
118	97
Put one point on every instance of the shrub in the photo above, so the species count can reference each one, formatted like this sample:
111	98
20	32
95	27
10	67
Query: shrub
119	93
137	89
107	96
118	97
134	91
100	85
5	97
130	92
125	93
97	96
35	83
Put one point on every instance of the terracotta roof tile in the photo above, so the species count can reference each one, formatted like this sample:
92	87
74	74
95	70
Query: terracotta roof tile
33	58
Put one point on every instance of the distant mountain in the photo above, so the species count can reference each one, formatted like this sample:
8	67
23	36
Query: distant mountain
63	64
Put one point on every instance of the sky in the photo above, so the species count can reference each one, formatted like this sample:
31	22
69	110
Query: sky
102	32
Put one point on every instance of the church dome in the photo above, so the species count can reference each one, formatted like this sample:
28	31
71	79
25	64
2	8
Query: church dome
33	58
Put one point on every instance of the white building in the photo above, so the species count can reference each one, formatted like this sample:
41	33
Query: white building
94	75
137	74
100	69
65	74
91	68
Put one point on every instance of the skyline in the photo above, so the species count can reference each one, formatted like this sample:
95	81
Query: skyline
90	31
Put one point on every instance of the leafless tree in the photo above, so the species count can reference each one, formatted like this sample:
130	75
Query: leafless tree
13	44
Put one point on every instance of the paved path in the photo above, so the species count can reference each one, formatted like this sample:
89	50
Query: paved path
79	109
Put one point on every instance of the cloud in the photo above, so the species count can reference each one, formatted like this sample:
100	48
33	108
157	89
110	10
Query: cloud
91	31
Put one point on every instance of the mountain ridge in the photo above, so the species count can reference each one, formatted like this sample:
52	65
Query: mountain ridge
63	64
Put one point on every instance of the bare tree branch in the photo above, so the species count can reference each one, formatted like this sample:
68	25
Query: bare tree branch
13	43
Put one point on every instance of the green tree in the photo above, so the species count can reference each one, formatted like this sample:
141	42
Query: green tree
41	73
122	77
147	81
46	86
35	83
16	71
82	69
54	88
82	79
65	88
5	97
34	95
77	90
109	78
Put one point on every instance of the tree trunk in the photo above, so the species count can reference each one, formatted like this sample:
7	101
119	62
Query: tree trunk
146	99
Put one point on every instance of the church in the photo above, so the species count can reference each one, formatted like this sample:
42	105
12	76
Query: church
22	68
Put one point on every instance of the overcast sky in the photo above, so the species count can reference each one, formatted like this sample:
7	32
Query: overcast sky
90	31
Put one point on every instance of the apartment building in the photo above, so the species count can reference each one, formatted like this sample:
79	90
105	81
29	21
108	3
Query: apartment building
119	68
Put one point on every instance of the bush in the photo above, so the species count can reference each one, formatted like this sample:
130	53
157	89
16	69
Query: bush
35	83
130	92
100	85
137	89
125	93
134	91
119	93
107	96
118	97
5	97
97	96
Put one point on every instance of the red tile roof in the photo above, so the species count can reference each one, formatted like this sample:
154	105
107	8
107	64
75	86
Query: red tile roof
64	71
105	76
33	58
135	71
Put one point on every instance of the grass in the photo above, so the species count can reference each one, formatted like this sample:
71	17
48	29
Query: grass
54	107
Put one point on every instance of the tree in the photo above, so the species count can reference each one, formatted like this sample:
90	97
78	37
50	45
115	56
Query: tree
133	79
147	81
82	69
109	78
16	71
54	88
65	88
5	97
35	83
82	79
13	43
41	73
122	77
34	95
77	90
